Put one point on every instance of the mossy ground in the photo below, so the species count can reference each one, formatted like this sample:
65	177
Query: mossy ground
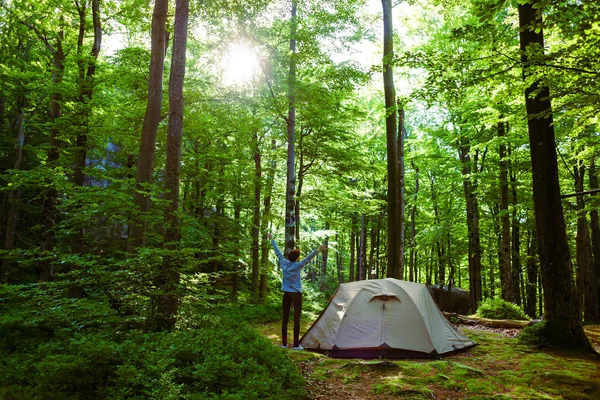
499	367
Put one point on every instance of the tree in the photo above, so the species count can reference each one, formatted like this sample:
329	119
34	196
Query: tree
168	278
563	327
393	268
153	116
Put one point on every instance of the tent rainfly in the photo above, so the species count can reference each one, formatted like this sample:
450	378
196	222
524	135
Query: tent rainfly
383	318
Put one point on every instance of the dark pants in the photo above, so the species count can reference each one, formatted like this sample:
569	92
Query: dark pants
290	298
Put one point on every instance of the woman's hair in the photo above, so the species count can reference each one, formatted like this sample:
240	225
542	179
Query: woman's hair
293	255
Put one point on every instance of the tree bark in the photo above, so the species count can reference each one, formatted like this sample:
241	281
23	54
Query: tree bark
508	293
400	202
145	163
563	327
255	231
532	274
264	261
474	243
290	192
169	277
14	196
586	277
413	230
392	146
325	256
352	240
45	268
595	226
516	235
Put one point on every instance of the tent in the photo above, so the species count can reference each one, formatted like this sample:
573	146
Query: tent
386	318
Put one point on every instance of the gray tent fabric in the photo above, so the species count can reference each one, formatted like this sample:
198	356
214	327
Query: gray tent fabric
387	318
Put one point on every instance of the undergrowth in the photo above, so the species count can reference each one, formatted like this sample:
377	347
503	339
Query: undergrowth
57	348
500	309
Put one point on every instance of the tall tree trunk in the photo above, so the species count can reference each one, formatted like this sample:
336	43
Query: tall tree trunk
14	196
563	327
254	232
145	163
339	261
508	293
264	260
352	241
413	230
586	277
290	192
45	269
516	236
474	243
362	250
400	201
168	279
392	146
325	254
87	72
375	225
532	273
595	226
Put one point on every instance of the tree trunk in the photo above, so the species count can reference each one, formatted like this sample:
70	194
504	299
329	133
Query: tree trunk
168	279
474	243
595	227
45	269
413	231
586	277
290	192
516	236
14	196
508	293
145	163
400	201
339	261
392	146
264	261
324	259
563	327
255	231
532	273
87	72
352	240
361	250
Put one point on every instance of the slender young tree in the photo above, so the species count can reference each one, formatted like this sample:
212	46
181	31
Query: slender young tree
563	327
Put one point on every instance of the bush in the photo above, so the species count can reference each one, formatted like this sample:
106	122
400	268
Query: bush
500	309
533	335
69	349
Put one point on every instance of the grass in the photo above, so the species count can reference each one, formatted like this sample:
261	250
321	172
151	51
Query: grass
498	368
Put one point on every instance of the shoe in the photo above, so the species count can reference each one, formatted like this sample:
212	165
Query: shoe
298	348
283	346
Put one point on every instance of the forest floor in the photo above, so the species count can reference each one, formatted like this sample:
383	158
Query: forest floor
499	367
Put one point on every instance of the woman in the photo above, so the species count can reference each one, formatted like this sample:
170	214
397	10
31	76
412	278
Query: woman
292	289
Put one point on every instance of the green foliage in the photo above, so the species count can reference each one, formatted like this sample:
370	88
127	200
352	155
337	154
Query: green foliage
57	348
500	309
533	335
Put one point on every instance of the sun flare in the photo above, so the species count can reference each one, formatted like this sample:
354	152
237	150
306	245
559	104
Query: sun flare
239	64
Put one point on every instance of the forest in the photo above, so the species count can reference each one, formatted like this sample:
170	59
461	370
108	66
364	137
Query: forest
149	148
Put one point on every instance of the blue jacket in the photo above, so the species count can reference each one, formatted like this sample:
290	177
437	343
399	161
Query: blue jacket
291	270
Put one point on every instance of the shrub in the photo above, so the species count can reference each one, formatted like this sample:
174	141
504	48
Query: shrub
54	348
533	335
500	309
